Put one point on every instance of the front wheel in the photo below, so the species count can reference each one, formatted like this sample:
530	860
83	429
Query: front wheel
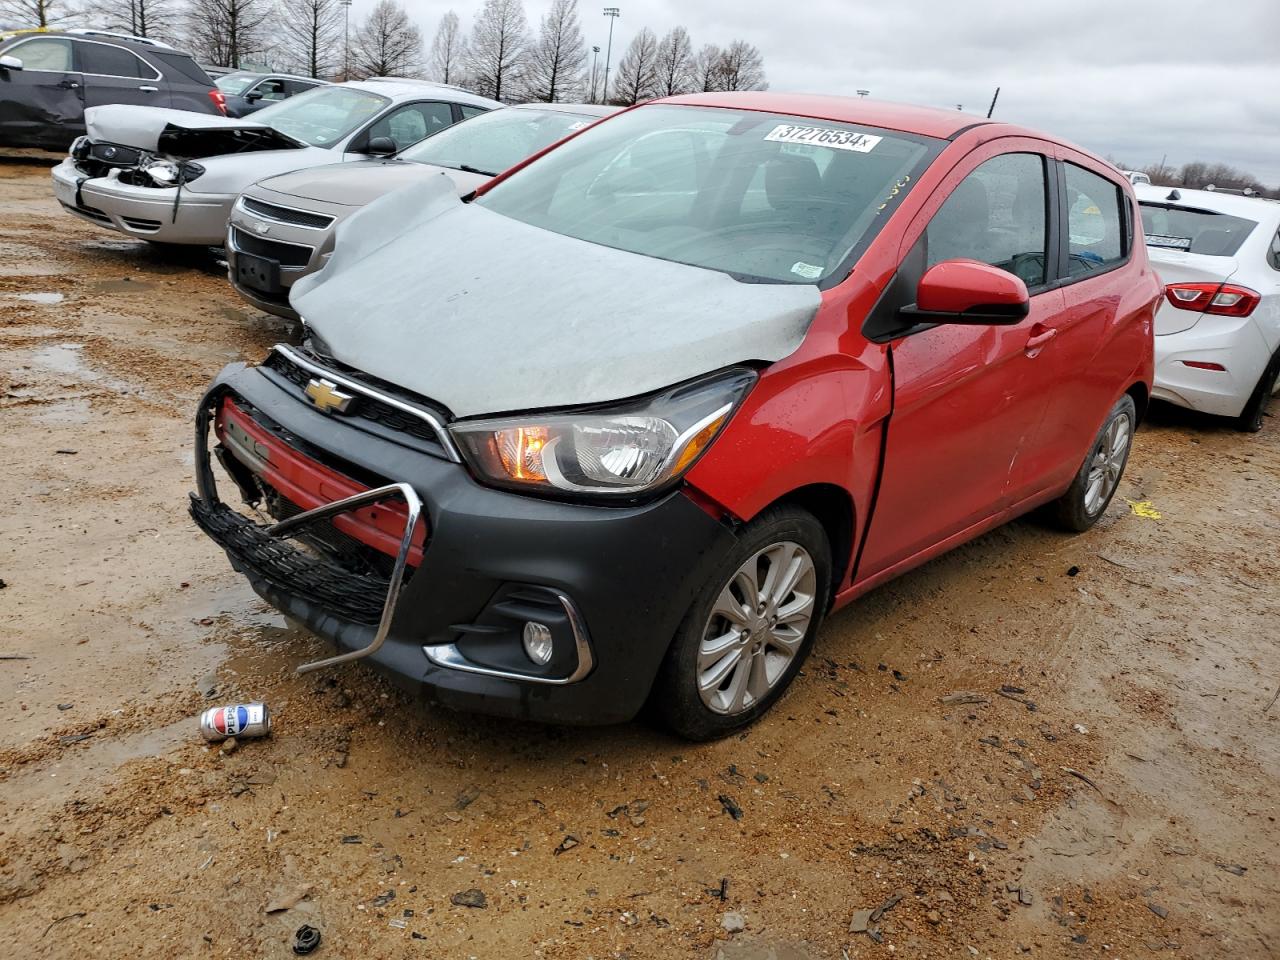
1099	476
745	637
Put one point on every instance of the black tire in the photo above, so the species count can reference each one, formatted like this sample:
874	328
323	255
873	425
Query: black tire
1250	419
1073	510
675	701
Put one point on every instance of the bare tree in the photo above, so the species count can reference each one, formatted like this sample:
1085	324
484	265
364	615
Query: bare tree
36	13
387	43
224	32
637	75
448	51
554	70
708	69
498	48
310	31
142	18
675	68
742	67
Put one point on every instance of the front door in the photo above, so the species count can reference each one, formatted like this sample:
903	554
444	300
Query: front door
116	75
968	400
42	103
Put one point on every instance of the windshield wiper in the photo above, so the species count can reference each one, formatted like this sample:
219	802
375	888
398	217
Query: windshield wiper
467	168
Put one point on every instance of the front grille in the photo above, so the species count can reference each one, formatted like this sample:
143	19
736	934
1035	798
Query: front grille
115	155
287	214
289	569
286	254
365	407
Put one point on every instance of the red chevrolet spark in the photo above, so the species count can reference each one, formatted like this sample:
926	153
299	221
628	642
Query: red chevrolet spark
622	427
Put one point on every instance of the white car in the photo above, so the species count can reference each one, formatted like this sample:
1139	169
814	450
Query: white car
171	176
1217	344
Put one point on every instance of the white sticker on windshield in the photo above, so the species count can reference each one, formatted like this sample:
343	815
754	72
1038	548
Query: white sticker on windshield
824	137
577	124
809	271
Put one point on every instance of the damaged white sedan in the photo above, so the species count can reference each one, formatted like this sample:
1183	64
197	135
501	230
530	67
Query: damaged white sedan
172	176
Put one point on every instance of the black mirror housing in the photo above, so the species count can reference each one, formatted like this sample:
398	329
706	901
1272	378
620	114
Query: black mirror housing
381	147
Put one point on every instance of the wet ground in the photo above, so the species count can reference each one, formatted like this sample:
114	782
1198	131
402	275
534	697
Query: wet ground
1039	744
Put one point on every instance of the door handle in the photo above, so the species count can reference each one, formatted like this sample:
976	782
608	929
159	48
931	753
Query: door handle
69	85
1038	340
149	89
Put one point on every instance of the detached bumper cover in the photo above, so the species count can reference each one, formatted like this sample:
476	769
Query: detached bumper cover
618	578
144	212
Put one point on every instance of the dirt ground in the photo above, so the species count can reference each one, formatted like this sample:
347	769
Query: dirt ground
1109	788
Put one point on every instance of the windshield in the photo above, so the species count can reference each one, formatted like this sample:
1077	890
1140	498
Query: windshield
1195	231
323	116
760	196
234	84
494	141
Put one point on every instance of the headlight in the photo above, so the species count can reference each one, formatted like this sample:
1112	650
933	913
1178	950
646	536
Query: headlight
166	173
163	171
633	448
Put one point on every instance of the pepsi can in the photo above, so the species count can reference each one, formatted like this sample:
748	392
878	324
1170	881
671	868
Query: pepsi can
238	720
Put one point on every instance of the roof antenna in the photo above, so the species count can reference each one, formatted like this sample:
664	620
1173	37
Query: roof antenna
992	109
1174	196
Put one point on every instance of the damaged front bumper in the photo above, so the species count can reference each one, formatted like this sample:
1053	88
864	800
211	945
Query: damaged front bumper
610	583
160	214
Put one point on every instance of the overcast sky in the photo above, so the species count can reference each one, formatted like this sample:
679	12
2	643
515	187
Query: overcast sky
1193	79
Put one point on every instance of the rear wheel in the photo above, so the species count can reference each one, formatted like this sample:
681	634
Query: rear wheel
1099	476
745	637
1250	420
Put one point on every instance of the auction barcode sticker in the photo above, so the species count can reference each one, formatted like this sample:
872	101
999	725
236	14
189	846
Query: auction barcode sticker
824	137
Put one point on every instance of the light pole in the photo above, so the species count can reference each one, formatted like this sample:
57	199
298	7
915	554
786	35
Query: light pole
863	93
595	65
346	33
613	13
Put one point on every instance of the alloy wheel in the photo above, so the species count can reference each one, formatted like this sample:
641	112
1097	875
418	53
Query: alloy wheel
756	628
1107	463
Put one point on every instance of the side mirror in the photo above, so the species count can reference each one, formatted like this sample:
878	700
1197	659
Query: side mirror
10	63
253	96
381	147
969	292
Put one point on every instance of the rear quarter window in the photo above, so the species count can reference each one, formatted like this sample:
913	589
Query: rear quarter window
184	65
1097	233
1214	234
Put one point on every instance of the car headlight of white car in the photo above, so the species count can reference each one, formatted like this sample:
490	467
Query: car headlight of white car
632	448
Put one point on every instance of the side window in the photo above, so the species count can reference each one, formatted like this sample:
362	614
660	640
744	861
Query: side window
296	87
468	111
271	90
109	61
1273	255
1096	232
43	53
997	214
409	124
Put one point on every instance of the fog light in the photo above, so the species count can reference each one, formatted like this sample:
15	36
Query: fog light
537	643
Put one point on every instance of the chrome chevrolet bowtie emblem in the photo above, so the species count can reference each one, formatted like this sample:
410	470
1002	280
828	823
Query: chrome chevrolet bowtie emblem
326	396
262	228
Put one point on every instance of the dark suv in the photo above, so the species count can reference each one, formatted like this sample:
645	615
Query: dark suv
246	92
47	79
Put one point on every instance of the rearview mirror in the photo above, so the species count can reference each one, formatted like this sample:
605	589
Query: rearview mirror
969	292
381	147
10	63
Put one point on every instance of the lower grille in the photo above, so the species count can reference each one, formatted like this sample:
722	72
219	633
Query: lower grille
286	254
289	569
139	224
93	213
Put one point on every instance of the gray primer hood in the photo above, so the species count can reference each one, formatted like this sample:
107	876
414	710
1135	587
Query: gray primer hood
486	314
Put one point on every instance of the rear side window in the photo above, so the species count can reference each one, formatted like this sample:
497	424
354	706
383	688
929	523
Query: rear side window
43	53
108	61
1096	233
469	111
183	65
1273	255
1195	231
997	214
